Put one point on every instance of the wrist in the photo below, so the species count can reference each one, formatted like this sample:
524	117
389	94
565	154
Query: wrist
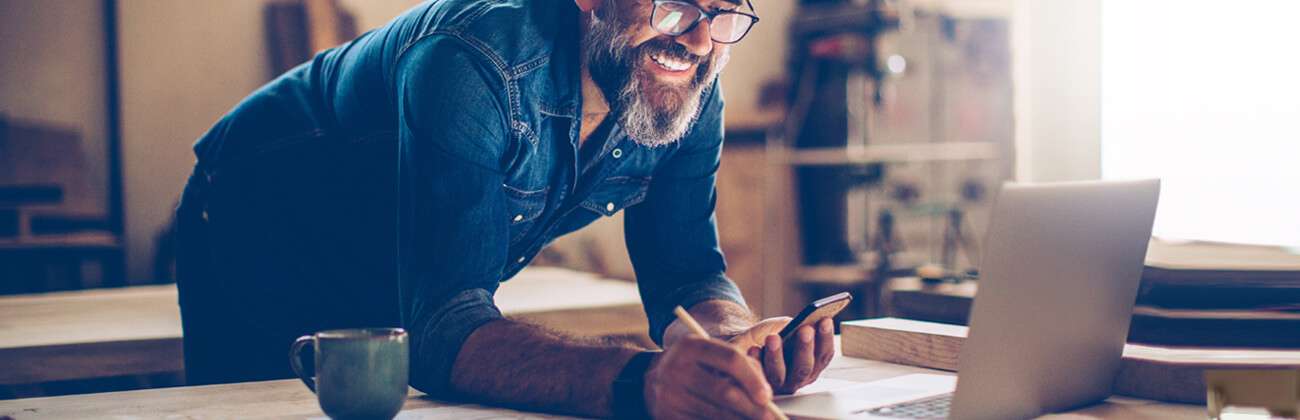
723	320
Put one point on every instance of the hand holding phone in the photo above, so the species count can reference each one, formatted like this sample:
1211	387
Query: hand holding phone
789	363
816	311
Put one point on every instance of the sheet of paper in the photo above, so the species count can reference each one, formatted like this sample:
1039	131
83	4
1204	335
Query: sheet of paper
822	384
850	397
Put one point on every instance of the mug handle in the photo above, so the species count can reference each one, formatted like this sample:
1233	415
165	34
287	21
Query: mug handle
295	361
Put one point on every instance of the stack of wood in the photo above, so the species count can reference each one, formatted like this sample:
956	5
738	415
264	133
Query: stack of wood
1172	374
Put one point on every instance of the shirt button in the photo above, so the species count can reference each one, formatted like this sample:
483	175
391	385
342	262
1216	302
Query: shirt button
609	207
520	260
618	153
519	218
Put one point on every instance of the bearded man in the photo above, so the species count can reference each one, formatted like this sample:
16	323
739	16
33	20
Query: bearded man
397	179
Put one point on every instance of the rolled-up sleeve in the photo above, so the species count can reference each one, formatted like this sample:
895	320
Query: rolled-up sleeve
450	258
672	237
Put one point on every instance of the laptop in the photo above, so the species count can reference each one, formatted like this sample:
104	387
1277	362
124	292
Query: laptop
1058	282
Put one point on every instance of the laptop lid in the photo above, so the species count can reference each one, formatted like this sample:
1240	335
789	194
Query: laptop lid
1058	281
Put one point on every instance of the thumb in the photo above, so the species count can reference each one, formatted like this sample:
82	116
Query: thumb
770	326
756	333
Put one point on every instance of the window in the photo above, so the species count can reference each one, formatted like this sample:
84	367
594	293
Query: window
1206	95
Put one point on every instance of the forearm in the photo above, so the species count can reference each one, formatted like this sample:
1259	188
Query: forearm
515	364
721	318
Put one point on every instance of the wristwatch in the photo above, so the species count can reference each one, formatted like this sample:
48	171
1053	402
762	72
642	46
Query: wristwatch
629	388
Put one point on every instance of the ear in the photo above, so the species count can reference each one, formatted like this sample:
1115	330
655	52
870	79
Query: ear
588	5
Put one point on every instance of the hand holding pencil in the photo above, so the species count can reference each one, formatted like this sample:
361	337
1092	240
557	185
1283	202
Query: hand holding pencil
697	377
700	377
699	331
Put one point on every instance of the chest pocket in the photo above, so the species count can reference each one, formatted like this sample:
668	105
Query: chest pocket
617	193
524	207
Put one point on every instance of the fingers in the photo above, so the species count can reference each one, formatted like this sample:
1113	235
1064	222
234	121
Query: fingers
723	398
825	345
730	362
800	361
774	361
709	379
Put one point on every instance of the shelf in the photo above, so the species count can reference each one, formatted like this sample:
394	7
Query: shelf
886	153
834	274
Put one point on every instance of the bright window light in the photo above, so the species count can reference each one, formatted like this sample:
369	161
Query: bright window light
1206	96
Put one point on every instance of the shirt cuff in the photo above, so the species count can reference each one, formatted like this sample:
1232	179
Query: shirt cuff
436	339
717	287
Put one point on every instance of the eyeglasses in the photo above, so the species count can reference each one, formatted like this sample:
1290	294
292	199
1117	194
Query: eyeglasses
675	18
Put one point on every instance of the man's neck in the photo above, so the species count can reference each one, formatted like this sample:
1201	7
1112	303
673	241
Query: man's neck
594	106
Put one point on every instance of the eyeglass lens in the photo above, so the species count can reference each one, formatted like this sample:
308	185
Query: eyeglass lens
676	18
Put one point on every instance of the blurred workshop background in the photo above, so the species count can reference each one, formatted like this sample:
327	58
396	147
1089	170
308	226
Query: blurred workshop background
866	140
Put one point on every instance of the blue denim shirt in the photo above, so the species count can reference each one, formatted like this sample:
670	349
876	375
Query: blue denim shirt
483	99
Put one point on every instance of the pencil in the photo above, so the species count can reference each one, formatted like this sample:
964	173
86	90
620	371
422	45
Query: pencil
696	329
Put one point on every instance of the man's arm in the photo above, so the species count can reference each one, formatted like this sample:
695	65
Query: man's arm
672	238
510	363
451	255
517	364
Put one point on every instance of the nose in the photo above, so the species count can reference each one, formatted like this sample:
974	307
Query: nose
697	41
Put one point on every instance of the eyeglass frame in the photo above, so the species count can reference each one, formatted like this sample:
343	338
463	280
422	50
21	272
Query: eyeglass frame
705	14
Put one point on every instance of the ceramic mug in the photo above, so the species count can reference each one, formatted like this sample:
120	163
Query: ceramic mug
360	373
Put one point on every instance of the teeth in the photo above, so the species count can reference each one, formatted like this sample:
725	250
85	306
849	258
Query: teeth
670	63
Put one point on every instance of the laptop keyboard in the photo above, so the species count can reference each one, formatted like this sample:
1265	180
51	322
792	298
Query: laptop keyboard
927	408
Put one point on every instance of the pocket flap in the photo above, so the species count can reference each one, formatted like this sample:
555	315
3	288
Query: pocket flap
617	193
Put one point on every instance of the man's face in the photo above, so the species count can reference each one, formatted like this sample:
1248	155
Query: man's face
652	81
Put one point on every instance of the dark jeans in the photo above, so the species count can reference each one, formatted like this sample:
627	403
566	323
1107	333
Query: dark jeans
294	240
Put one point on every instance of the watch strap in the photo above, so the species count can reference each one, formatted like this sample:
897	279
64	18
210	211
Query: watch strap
629	388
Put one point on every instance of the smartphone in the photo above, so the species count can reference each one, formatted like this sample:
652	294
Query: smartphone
816	311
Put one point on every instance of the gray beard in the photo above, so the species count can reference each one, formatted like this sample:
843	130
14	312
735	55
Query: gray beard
615	67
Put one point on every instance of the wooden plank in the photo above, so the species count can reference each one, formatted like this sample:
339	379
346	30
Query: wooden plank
23	195
1210	256
610	320
889	153
89	316
1149	372
89	334
30	365
1229	327
904	341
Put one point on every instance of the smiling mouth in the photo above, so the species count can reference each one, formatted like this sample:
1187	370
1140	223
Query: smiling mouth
670	64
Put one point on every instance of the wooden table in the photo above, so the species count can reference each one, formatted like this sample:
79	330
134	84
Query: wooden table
137	330
89	334
290	399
